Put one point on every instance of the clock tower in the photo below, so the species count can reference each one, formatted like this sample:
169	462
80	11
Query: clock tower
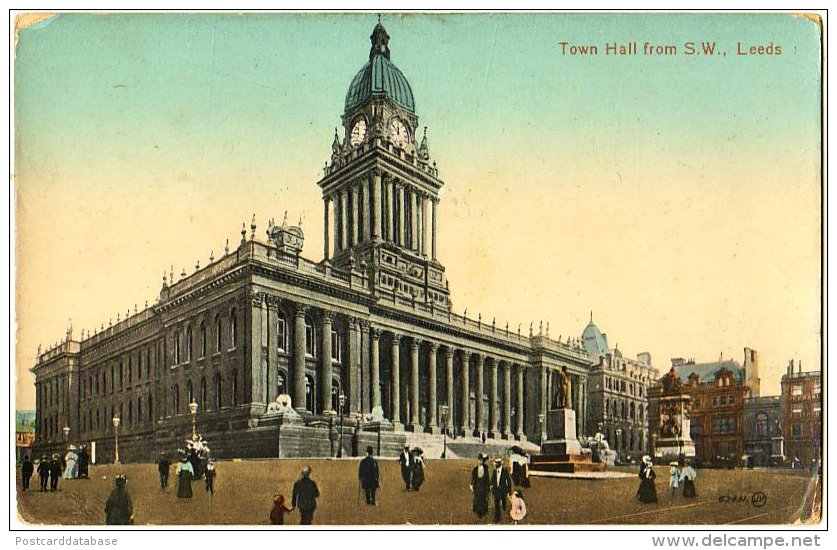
380	188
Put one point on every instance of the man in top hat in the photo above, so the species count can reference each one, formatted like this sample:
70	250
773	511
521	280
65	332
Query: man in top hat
54	472
501	487
406	461
44	468
163	465
26	471
369	476
305	497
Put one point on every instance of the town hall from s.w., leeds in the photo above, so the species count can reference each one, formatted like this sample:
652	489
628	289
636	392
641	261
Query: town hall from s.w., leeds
364	339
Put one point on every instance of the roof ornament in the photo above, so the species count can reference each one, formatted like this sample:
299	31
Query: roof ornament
197	265
591	316
183	273
164	278
547	329
171	274
243	233
540	328
211	256
424	152
380	41
530	328
227	247
253	227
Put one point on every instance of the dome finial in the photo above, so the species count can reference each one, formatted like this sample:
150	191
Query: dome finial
380	41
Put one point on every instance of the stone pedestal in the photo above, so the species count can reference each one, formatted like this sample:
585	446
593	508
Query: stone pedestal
560	433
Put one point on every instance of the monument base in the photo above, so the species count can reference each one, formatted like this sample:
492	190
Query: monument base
561	451
672	449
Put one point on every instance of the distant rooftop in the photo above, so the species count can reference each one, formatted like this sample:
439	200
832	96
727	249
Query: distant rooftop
708	371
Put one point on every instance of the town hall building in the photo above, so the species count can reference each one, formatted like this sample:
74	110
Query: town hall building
364	339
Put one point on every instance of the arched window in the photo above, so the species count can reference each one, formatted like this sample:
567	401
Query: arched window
234	387
139	409
190	393
761	425
189	344
130	370
176	348
176	398
632	412
281	334
233	329
121	368
335	346
204	396
281	383
150	407
218	394
335	395
639	410
310	344
202	339
623	410
148	362
310	392
130	412
218	338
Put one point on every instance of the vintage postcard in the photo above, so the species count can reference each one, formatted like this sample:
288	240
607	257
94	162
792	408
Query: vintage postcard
493	270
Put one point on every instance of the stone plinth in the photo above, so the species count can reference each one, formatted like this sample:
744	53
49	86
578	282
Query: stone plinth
561	437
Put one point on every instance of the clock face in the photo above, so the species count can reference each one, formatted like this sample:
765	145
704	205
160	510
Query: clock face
358	132
398	133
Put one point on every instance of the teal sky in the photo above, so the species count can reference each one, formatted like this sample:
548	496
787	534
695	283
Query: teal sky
146	140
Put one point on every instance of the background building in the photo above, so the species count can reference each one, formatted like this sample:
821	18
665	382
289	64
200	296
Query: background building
618	394
802	414
762	419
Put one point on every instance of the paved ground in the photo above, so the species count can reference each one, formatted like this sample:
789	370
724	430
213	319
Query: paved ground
244	491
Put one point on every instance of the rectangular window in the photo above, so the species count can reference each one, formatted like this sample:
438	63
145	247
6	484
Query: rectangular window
281	335
817	388
335	346
796	410
796	431
796	389
309	340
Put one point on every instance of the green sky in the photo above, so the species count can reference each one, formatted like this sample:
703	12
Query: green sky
677	197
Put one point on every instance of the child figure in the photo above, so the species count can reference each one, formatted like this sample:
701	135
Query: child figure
209	477
674	479
277	514
517	507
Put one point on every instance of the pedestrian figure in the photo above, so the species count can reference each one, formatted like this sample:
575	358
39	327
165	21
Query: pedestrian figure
163	465
518	507
647	490
209	476
185	473
369	475
406	461
54	472
480	485
26	471
688	475
501	487
44	468
83	463
119	510
71	463
305	497
417	470
674	478
277	513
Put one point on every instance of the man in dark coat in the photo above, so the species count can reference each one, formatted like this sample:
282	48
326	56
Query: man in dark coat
54	472
480	486
406	461
501	487
305	497
44	468
369	476
83	463
119	509
26	471
163	465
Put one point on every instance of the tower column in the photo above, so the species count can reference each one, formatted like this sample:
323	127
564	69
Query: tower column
423	232
519	402
396	379
413	221
344	219
355	217
375	367
377	214
415	423
299	357
434	204
326	251
399	190
506	400
449	384
335	207
431	382
366	221
465	421
493	416
325	363
390	220
353	366
362	389
479	390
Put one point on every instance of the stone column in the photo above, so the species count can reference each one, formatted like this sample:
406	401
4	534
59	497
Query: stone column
519	403
413	221
449	384
363	390
272	370
355	215
344	219
400	203
396	379
335	210
256	374
353	366
479	391
493	411
431	382
377	214
366	231
326	252
415	423
375	366
390	219
434	204
466	394
506	400
423	233
325	364
299	358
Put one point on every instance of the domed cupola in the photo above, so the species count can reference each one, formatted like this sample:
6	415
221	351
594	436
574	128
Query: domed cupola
379	77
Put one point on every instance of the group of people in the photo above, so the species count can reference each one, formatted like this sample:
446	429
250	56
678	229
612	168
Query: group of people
681	478
194	464
496	482
304	498
412	467
74	465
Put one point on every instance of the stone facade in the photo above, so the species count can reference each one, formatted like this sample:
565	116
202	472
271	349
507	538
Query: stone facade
371	322
762	417
802	415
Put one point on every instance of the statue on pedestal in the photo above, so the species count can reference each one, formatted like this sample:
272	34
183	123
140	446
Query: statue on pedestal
563	390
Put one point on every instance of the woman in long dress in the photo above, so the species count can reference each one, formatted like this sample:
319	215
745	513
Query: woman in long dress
185	473
674	477
71	470
647	489
689	476
418	469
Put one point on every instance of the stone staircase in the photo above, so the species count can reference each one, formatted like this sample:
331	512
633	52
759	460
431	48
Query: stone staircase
464	447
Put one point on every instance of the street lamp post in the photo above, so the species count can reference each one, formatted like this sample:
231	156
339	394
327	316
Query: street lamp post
116	439
444	409
619	443
341	400
193	408
66	431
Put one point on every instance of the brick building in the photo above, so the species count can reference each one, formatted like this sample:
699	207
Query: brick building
802	414
762	417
